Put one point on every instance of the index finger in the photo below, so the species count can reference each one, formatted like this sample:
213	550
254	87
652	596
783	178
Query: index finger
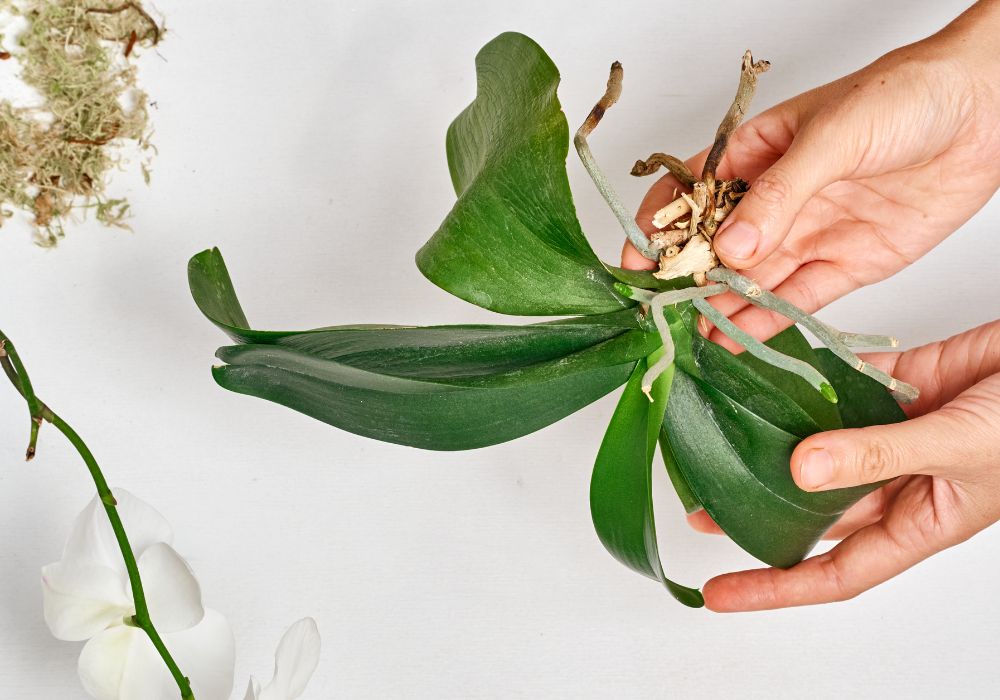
867	558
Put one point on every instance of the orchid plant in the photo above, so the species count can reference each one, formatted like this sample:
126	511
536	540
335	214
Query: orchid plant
725	424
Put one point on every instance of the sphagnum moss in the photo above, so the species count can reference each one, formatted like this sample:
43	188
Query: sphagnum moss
57	156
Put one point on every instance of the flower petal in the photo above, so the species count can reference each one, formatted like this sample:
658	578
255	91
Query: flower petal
253	690
81	600
172	592
122	664
104	658
294	662
92	540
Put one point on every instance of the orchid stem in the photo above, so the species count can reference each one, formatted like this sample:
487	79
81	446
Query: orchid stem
18	376
16	369
632	230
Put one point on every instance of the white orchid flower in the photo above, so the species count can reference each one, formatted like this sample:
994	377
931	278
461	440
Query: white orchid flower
294	663
87	596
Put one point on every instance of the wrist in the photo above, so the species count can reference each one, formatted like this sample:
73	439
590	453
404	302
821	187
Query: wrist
971	41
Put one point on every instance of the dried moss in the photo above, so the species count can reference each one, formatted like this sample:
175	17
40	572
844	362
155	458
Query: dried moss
57	156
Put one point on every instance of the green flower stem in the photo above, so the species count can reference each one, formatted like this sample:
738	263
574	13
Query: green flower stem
768	355
753	293
14	369
627	221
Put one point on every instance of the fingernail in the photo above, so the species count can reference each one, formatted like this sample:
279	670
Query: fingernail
817	470
738	241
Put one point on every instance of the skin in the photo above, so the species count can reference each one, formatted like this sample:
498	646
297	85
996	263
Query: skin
889	160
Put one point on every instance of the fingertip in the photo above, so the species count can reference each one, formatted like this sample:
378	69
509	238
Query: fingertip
813	467
722	596
632	259
701	521
738	244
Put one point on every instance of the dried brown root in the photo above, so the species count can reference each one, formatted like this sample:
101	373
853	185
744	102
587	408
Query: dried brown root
710	201
625	218
675	166
154	28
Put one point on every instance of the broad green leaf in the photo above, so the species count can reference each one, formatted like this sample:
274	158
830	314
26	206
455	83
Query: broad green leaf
512	242
767	526
681	487
439	387
212	289
726	372
644	279
731	426
621	496
865	401
213	292
791	342
457	414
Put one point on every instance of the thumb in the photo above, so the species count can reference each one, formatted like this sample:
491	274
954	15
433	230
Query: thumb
763	218
943	443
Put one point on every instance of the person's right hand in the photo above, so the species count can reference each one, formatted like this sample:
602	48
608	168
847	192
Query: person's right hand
857	179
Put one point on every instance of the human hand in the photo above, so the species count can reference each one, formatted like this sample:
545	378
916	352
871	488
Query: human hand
857	179
948	485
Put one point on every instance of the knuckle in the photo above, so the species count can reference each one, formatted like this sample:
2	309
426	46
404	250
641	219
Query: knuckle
841	588
773	188
877	461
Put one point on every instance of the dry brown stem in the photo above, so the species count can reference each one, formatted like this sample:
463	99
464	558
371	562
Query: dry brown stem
675	166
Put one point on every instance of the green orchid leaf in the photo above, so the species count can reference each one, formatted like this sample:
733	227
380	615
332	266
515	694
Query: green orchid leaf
681	487
454	413
644	279
731	426
213	292
437	387
621	496
733	376
512	242
791	342
864	401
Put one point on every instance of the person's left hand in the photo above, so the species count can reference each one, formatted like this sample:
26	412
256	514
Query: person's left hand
946	458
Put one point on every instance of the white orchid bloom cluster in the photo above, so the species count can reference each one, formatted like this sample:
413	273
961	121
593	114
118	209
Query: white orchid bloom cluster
87	597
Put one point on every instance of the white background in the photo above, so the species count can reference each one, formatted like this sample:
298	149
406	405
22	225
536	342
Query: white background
306	139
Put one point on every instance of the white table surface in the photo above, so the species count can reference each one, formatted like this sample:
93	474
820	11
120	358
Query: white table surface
300	137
